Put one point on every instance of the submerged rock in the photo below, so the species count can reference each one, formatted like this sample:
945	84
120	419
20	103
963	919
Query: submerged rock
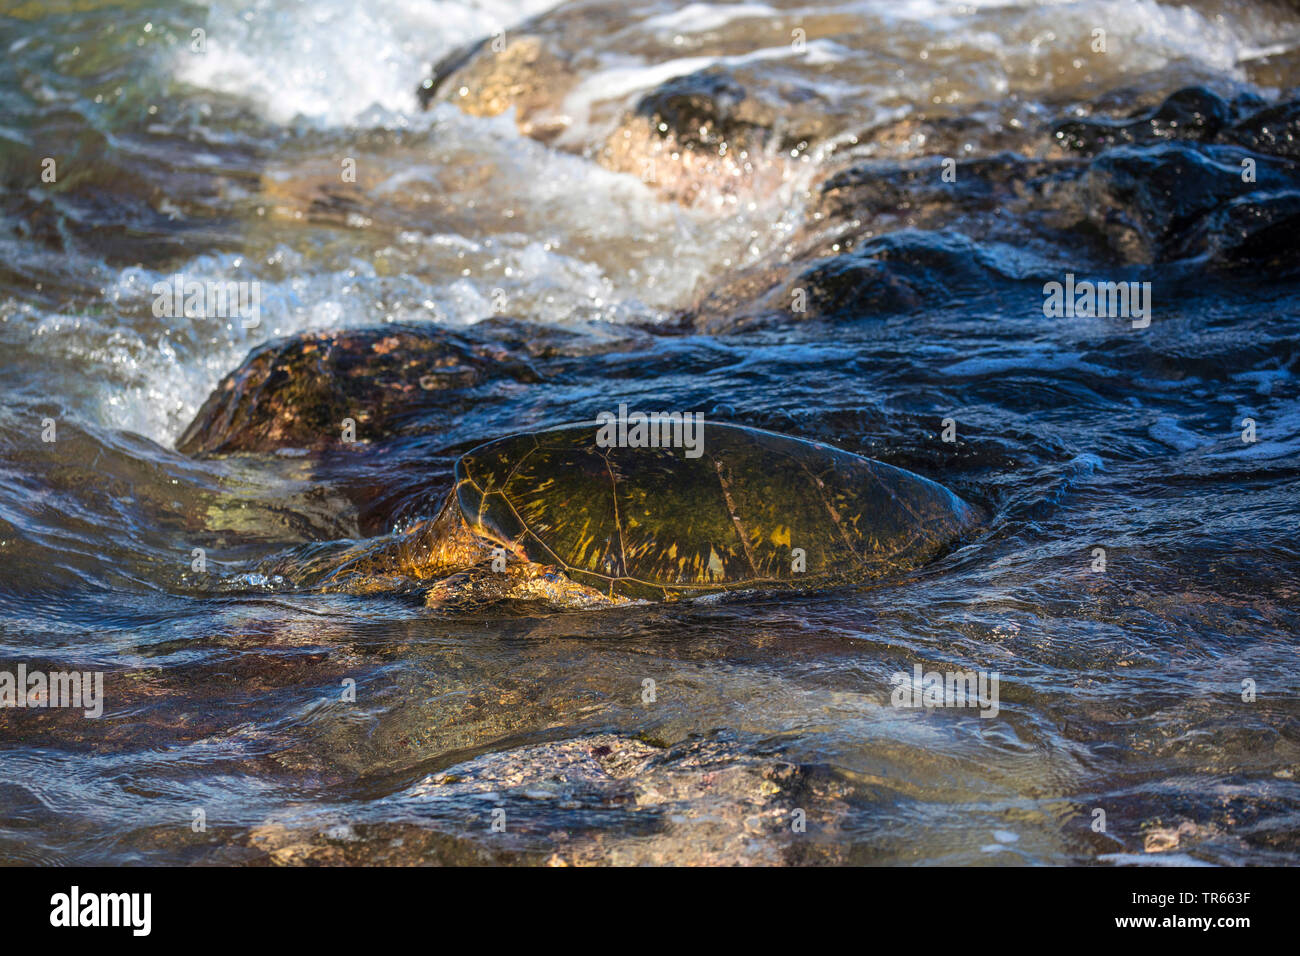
594	799
705	801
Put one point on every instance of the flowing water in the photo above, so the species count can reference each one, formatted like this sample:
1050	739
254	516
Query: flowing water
758	728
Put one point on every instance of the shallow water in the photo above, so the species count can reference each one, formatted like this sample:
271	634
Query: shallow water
1120	689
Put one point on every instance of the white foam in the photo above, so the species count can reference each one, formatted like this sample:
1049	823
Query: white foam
1167	431
330	61
702	17
626	77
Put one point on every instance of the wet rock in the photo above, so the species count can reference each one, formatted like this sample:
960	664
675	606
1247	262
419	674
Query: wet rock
898	273
709	128
1258	230
1148	201
887	237
705	110
1144	186
738	300
981	131
1275	130
494	75
979	196
296	392
854	285
1194	115
577	340
717	128
699	802
1190	114
531	69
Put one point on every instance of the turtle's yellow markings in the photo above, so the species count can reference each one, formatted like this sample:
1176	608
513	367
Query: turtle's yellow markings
781	536
585	542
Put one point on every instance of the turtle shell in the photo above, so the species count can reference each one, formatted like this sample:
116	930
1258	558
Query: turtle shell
655	523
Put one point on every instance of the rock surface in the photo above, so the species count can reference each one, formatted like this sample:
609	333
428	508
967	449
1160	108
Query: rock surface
700	802
296	393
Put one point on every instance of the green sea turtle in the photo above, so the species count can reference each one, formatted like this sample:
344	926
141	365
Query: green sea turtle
554	515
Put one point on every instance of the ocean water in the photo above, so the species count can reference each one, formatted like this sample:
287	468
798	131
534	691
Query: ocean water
1156	684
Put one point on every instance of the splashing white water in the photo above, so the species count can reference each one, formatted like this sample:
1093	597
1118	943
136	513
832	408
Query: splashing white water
331	62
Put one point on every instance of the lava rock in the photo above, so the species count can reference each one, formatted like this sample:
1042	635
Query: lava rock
1194	113
1148	201
1258	230
296	392
1275	130
898	273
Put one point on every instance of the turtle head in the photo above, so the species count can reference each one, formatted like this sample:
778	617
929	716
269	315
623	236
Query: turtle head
446	545
473	565
473	562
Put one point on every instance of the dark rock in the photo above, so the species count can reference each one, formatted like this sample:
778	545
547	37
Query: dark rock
886	238
1275	131
855	285
1259	230
1146	199
1194	113
901	272
1246	104
881	196
296	392
702	110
